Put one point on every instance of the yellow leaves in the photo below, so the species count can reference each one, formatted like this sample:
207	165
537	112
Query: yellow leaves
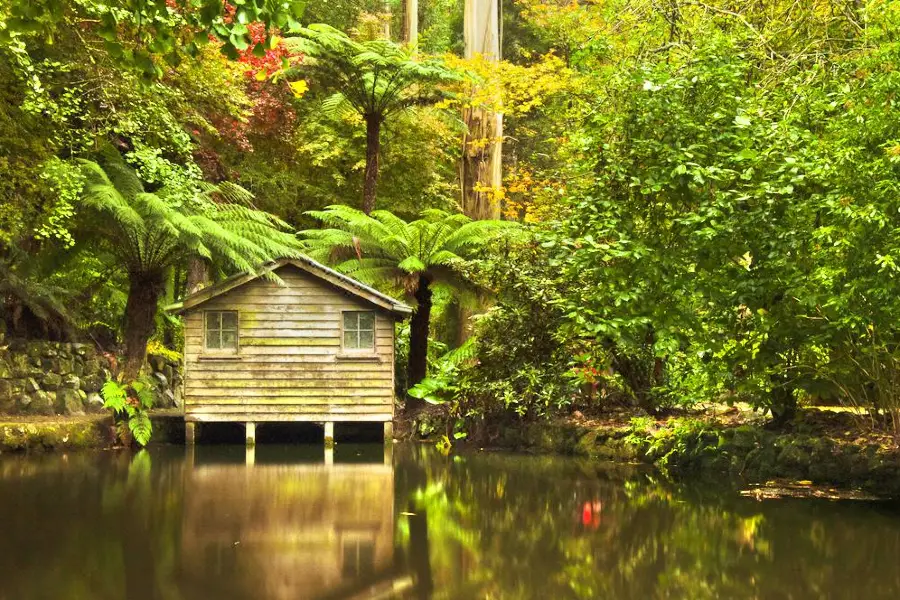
261	75
475	145
528	198
504	87
298	88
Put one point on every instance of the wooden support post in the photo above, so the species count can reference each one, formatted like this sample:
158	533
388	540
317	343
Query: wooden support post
251	434
190	433
329	434
329	455
388	454
388	432
189	457
250	458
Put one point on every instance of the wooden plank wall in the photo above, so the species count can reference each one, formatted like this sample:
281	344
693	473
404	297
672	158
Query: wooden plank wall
288	368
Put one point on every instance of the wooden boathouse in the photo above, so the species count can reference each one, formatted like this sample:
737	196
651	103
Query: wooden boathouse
309	344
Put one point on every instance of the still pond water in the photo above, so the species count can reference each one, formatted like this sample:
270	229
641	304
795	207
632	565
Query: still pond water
215	523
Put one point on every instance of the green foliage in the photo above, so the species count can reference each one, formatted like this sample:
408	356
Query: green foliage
26	295
148	36
370	81
727	240
383	249
442	385
375	77
150	231
130	404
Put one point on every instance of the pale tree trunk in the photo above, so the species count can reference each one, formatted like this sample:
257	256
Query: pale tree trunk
411	22
481	174
386	21
197	275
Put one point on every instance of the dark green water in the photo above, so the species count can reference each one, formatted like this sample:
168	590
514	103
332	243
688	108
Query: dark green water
204	525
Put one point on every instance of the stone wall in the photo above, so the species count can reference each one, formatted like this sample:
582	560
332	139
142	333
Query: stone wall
55	378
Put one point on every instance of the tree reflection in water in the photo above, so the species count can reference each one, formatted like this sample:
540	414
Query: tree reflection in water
164	525
504	526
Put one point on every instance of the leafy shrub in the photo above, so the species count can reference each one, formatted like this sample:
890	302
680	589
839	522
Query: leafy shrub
130	405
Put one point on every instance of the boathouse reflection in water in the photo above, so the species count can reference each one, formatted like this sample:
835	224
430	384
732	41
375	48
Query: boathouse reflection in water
263	527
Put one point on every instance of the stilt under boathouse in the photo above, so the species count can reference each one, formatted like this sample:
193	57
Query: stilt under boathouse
294	341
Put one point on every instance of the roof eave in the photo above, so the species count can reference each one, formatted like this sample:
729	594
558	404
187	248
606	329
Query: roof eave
304	263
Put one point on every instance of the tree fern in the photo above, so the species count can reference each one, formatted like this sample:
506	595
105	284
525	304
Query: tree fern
24	289
414	256
374	79
151	231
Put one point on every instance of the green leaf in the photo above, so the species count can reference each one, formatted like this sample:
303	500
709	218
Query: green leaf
141	427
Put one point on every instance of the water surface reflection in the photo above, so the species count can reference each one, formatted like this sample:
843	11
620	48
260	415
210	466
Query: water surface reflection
282	529
217	522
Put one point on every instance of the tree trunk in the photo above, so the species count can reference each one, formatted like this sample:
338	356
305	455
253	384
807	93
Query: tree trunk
373	147
420	561
481	173
411	22
197	275
417	367
140	316
480	168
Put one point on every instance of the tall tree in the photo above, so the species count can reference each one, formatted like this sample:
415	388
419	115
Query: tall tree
411	22
375	79
416	256
149	232
481	175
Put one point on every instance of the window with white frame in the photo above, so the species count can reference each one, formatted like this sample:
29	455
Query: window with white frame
359	330
221	331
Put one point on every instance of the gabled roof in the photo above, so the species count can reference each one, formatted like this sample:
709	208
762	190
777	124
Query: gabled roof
304	263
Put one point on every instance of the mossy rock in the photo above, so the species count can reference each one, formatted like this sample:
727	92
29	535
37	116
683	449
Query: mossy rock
54	435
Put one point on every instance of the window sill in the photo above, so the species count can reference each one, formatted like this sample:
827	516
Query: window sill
362	356
219	357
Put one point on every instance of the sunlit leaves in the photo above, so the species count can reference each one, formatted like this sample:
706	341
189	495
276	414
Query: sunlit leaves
149	36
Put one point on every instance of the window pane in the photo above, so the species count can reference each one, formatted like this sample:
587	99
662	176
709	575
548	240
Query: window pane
212	321
366	320
229	340
229	320
350	340
366	339
212	339
350	321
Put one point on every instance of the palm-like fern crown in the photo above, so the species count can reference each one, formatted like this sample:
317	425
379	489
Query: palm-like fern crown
374	77
383	248
150	231
21	285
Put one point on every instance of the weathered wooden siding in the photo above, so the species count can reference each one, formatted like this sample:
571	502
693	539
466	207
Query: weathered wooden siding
288	365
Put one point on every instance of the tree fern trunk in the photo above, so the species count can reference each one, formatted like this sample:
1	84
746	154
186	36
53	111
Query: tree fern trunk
373	147
140	318
417	367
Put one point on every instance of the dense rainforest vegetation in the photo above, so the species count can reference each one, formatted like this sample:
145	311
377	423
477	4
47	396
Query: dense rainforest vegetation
700	200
